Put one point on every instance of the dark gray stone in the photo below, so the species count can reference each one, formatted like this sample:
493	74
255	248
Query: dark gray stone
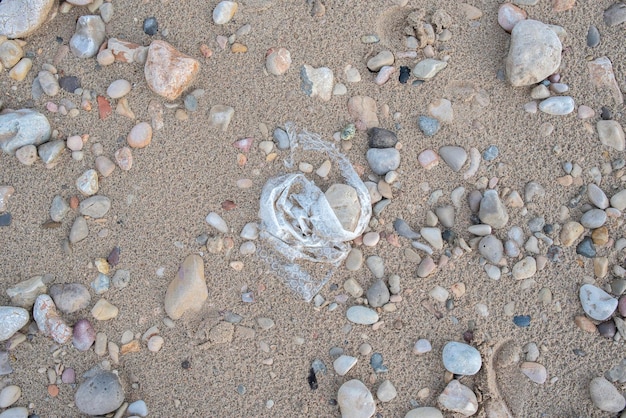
381	138
99	394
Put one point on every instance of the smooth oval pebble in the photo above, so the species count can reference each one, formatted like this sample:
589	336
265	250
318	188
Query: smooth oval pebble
534	371
217	222
124	158
84	335
557	105
118	89
605	395
224	12
509	15
138	408
17	412
593	218
140	135
99	394
424	412
361	315
355	400
459	358
596	303
422	346
9	395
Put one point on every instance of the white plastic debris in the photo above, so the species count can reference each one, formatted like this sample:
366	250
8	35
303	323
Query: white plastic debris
299	227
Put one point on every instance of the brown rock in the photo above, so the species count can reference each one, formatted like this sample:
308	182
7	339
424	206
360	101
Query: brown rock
600	236
169	72
132	347
104	107
140	135
585	324
562	5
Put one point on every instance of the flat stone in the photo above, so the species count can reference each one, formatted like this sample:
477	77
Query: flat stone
492	211
433	236
380	60
21	18
95	206
100	394
10	53
21	128
462	359
355	400
169	72
557	105
605	396
70	297
593	37
50	151
570	232
428	68
618	201
188	291
534	53
454	156
424	412
220	116
24	293
441	109
457	397
596	303
79	230
383	160
597	196
363	110
15	412
378	294
343	364
426	267
9	395
361	315
49	321
12	319
611	134
376	266
104	310
344	201
603	78
317	82
534	371
118	89
593	218
48	82
90	34
422	346
354	260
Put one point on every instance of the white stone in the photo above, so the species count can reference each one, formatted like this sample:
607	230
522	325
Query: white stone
12	319
343	364
355	400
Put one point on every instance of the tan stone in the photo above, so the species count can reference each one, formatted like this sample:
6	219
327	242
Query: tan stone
169	72
188	290
562	5
585	324
600	236
570	233
362	109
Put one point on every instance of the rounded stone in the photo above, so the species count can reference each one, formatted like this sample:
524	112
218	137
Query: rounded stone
224	12
12	319
118	89
491	248
361	315
277	61
381	138
99	394
383	160
150	26
84	335
378	294
9	395
605	396
90	34
20	18
509	15
140	135
462	359
355	400
593	218
557	105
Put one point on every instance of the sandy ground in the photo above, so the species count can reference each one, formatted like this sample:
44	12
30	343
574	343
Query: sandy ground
188	170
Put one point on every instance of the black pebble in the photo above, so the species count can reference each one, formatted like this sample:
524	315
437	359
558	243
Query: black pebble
312	379
381	138
150	26
548	228
448	236
607	329
69	83
606	113
405	73
468	336
185	364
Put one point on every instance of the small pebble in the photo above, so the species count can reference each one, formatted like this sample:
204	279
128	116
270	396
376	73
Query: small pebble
150	26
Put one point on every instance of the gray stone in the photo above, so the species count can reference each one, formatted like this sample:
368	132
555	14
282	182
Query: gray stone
557	105
378	294
380	60
445	214
354	260
20	18
23	127
618	201
344	201
491	248
355	400
5	363
15	412
49	83
50	151
534	53
188	290
593	37
605	396
492	211
433	237
138	408
58	209
79	230
99	394
89	35
386	391
459	358
454	156
281	138
12	319
533	190
383	160
361	315
381	138
424	412
615	14
593	218
24	293
121	279
429	126
220	117
596	303
95	206
597	196
428	68
603	78
458	398
376	266
317	82
404	230
70	297
611	134
87	183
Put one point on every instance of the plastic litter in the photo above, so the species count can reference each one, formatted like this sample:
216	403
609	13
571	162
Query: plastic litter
298	225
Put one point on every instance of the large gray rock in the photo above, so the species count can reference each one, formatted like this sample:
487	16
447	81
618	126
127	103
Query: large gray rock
90	33
99	394
534	53
23	127
605	396
20	18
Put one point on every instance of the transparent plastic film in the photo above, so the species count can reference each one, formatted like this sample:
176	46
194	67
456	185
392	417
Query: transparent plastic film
302	240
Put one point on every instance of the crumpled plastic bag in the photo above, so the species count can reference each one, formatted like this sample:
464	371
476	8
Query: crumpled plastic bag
298	225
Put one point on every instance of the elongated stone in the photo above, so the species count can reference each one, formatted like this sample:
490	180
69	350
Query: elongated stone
188	290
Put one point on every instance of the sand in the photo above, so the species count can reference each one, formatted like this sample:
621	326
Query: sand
189	170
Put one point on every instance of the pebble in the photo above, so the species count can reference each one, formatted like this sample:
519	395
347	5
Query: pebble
224	12
615	14
58	209
378	294
362	315
426	267
597	196
188	290
492	211
70	297
429	126
343	364
523	69
383	160
99	394
611	134
381	138
140	135
441	109
49	321
69	83
27	154
603	79
557	105
404	230
87	183
428	68
586	248
405	74
138	408
16	412
103	310
84	335
524	268
49	83
105	166
169	72
424	412
12	319
593	218
317	82
422	346
457	397
90	34
354	261
428	159
383	58
150	26
570	232
509	15
124	158
22	18
596	303
155	343
118	89
21	128
363	110
95	206
491	248
50	152
79	230
386	392
461	359
454	156
277	61
355	400
220	117
9	395
605	396
10	53
68	376
433	236
376	266
534	371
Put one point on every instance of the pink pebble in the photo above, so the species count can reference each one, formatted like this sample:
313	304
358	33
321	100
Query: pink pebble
84	335
585	112
52	107
384	74
509	15
75	143
554	78
428	159
68	376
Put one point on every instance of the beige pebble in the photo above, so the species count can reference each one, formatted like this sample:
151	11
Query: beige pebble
104	310
155	343
74	143
118	89
324	169
105	57
105	166
244	183
21	69
140	135
124	158
371	239
27	154
305	167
